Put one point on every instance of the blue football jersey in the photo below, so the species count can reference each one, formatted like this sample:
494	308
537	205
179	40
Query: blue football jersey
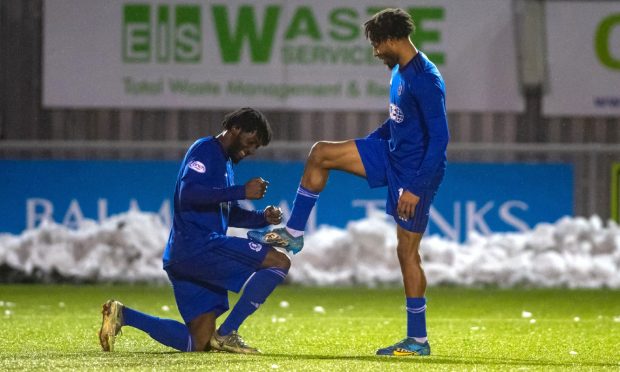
206	202
417	127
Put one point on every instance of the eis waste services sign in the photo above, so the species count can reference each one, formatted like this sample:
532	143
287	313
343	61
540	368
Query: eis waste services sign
269	54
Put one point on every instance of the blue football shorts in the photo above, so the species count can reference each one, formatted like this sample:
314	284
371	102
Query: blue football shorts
201	283
379	172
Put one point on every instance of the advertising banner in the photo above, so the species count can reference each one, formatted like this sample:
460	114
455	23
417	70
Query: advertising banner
297	54
484	198
583	50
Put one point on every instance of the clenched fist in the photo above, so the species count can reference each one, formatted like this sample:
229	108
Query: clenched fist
273	215
255	188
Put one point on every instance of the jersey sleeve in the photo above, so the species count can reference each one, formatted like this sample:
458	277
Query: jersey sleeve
199	185
241	217
429	94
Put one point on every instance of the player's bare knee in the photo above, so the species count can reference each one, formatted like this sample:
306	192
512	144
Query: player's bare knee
201	346
201	329
317	153
282	261
408	254
276	259
200	340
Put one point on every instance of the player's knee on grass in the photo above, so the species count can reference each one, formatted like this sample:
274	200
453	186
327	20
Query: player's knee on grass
201	330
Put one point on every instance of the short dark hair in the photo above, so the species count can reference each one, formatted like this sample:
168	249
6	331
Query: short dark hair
390	23
249	120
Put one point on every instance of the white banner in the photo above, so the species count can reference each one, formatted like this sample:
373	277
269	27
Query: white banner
583	41
300	54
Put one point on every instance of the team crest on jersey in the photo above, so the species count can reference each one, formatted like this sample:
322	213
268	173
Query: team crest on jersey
197	166
400	89
396	113
255	246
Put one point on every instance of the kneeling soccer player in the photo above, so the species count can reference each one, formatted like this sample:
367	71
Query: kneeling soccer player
202	263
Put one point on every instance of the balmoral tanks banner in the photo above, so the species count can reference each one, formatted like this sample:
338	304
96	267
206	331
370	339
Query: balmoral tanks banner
583	41
73	192
302	54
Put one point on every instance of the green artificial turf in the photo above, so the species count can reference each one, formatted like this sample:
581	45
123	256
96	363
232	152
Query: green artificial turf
55	327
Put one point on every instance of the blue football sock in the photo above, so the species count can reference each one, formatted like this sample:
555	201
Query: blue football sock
165	331
256	291
416	317
302	206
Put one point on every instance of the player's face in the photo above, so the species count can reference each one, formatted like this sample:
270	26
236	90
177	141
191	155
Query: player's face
385	52
245	144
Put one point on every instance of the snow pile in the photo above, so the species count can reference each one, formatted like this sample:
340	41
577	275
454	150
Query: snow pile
572	253
127	248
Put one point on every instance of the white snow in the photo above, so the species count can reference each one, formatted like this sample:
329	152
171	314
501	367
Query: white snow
127	247
573	252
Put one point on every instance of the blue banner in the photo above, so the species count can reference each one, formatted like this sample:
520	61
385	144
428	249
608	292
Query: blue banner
473	197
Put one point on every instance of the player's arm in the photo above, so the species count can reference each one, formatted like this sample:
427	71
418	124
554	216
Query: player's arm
249	219
199	195
241	217
382	132
429	93
199	186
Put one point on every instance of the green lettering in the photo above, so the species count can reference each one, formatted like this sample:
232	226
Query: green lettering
188	45
327	55
422	36
136	33
231	42
303	24
602	44
143	87
163	34
344	19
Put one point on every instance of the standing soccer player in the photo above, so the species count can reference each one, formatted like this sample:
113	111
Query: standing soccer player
407	154
202	263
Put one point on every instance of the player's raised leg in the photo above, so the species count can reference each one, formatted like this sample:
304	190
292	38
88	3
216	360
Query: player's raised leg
414	280
324	156
272	272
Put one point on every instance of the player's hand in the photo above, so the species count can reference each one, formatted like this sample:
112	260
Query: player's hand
255	188
273	215
406	205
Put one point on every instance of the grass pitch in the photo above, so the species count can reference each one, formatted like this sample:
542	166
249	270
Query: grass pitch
54	327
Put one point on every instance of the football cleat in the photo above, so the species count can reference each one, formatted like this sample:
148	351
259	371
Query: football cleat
111	324
406	347
232	343
278	238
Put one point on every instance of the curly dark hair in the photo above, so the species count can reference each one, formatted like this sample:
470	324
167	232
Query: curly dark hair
249	120
390	23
